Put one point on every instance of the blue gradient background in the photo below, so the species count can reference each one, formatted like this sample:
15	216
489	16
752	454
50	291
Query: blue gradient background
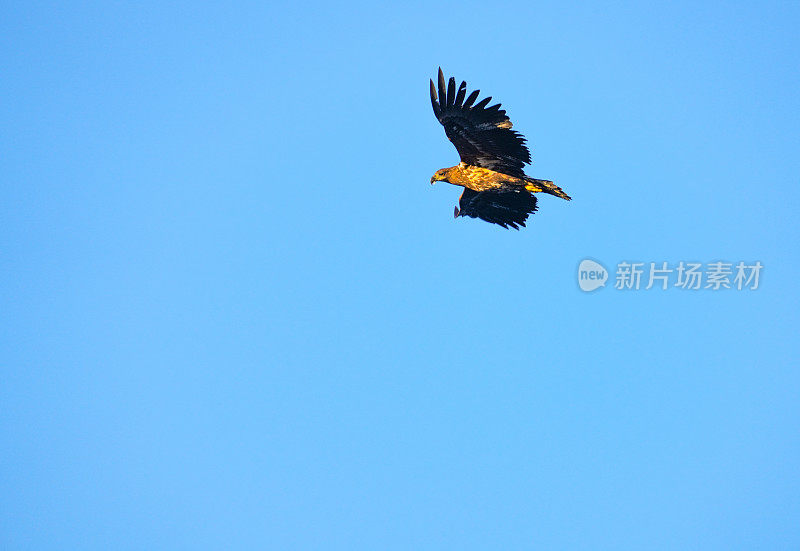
236	316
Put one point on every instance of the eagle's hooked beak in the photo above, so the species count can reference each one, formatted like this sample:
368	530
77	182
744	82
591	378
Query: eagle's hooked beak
437	177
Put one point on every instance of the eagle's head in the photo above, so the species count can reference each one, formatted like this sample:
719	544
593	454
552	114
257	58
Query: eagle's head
440	175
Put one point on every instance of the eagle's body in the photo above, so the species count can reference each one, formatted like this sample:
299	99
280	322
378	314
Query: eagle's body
492	157
478	178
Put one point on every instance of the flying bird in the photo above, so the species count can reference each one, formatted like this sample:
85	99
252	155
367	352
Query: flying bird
492	158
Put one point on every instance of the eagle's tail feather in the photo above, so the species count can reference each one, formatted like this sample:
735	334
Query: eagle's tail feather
545	186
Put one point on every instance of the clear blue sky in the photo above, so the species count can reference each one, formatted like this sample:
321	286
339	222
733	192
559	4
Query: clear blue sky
235	314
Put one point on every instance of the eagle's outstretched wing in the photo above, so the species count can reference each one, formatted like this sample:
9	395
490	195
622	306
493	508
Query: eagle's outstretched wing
482	135
507	207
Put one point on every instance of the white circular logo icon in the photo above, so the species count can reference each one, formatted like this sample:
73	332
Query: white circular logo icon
591	275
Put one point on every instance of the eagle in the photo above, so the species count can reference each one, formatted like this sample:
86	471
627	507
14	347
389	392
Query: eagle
492	158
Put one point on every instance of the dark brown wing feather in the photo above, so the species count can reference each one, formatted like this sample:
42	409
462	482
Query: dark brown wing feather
506	207
482	135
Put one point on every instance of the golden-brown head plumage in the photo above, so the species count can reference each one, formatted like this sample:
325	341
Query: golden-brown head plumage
439	176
